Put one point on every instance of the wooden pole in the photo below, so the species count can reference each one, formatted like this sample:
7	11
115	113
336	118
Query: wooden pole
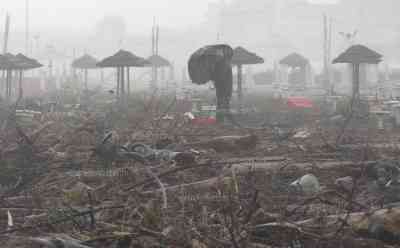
157	38
330	71
157	41
3	83
239	86
155	77
356	81
128	79
325	53
27	27
6	84
21	91
86	80
6	34
153	37
9	79
122	86
5	48
9	84
118	82
153	52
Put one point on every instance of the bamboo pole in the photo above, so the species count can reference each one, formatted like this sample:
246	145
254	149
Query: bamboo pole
128	79
356	81
122	86
118	81
9	82
6	33
239	86
5	48
27	27
21	91
86	79
325	53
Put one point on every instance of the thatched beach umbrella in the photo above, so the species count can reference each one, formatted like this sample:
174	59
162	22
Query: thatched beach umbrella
356	55
293	61
20	63
121	60
24	63
85	63
156	62
242	57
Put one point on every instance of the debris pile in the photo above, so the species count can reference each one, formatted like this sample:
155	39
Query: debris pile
75	181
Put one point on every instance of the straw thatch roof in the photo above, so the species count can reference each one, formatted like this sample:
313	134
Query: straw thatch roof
157	60
27	63
85	62
9	61
242	56
359	54
123	59
294	60
5	62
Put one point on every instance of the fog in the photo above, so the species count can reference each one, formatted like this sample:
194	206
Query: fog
270	28
76	14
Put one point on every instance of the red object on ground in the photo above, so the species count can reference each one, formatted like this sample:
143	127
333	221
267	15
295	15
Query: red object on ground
300	102
204	121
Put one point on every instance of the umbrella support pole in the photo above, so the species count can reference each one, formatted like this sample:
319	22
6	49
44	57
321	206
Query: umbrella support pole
21	91
86	79
128	80
154	78
8	85
118	82
239	86
122	85
356	82
3	83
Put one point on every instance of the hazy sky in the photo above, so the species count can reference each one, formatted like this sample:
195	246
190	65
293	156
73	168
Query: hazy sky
84	13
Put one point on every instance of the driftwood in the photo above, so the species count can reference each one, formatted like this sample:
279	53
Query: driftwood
246	167
200	185
383	224
59	241
227	143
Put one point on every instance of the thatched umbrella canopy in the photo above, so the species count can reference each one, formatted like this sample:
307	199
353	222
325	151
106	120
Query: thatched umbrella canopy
294	60
359	54
158	61
20	63
242	57
356	55
85	63
26	63
6	63
121	60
